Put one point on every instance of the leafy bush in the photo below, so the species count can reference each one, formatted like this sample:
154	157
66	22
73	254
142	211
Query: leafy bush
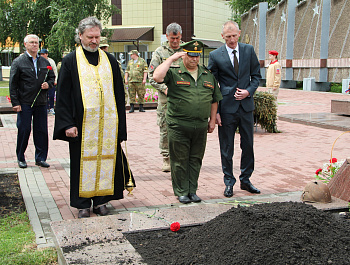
336	87
265	113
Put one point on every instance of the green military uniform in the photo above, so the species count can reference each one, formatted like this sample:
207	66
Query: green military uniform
160	55
136	71
189	107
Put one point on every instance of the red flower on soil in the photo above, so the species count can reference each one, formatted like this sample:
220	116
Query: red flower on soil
175	227
333	160
318	171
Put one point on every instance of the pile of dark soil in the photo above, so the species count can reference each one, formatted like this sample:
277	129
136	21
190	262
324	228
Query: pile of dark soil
11	200
276	233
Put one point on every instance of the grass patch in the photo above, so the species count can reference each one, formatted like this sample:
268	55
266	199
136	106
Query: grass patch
4	84
17	243
4	88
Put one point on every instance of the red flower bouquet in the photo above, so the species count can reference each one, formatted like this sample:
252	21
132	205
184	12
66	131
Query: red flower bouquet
328	171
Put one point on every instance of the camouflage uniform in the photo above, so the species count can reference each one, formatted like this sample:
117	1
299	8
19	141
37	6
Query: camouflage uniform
123	75
159	56
136	72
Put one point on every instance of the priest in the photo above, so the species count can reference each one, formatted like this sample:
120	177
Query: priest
90	115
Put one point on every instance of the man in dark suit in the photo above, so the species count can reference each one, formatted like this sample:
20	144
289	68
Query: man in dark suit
237	69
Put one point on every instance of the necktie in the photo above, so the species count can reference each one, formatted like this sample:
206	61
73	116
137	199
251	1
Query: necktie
235	62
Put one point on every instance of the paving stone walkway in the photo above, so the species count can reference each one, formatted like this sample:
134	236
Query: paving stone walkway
285	162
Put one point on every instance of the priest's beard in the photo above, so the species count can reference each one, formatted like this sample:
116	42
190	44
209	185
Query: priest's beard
89	49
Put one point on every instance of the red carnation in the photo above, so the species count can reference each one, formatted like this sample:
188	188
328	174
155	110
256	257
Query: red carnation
318	171
175	227
48	70
333	160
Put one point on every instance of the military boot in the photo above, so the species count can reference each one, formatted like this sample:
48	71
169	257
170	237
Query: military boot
166	164
141	109
131	108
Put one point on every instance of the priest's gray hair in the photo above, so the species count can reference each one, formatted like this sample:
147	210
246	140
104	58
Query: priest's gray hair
173	28
86	23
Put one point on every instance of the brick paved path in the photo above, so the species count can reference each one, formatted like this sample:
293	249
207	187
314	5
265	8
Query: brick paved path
285	162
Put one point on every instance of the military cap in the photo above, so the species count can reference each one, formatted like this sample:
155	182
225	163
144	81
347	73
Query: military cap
193	47
43	51
103	42
273	52
134	52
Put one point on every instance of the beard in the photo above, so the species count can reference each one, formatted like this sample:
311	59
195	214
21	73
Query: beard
89	49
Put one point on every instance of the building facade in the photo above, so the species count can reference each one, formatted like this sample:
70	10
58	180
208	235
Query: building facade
142	24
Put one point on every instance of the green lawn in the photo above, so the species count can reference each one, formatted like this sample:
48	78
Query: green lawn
17	243
4	88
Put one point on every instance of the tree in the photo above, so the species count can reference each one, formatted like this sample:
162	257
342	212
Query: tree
54	21
66	15
239	7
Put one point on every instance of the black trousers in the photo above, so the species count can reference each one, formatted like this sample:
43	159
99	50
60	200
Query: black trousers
230	121
40	133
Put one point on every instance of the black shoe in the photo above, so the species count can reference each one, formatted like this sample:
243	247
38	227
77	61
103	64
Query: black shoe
84	213
228	191
249	187
194	198
102	210
42	164
141	109
184	199
22	164
131	108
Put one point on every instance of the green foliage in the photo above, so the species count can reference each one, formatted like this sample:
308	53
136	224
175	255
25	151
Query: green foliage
336	87
17	243
67	14
54	21
241	6
265	112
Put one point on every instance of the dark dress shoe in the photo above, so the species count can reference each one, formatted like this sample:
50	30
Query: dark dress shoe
102	210
22	164
184	199
42	164
228	191
249	187
84	213
194	198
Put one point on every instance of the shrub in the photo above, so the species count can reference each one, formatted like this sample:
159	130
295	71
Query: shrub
265	113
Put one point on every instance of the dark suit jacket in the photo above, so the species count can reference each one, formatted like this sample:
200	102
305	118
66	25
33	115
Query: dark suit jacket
248	76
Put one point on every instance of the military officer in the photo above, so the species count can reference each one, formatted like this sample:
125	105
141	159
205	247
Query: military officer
135	78
193	95
273	74
172	45
104	47
104	44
